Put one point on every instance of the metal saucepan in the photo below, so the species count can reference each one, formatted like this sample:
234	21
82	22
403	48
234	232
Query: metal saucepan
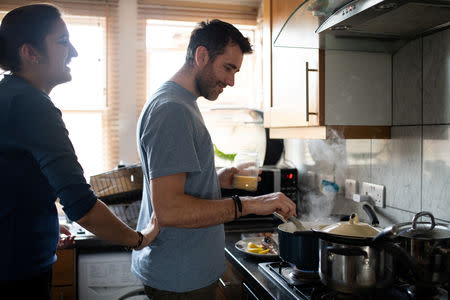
300	248
423	248
347	262
299	245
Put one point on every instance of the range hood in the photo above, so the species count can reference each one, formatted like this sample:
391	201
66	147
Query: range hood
362	25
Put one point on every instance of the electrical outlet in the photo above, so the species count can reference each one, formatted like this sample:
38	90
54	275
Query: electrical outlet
376	192
350	188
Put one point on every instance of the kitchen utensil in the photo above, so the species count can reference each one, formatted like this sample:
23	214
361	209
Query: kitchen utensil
354	269
423	248
300	248
347	262
298	224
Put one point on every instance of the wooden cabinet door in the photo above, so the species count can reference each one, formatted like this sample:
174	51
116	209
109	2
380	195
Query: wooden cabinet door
295	99
64	268
230	284
63	293
63	284
295	91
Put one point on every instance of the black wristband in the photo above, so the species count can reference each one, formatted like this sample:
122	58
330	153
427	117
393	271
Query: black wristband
141	238
237	201
235	210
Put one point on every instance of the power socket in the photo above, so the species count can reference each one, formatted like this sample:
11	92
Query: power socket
376	192
350	188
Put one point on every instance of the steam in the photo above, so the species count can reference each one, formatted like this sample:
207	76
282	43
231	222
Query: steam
328	162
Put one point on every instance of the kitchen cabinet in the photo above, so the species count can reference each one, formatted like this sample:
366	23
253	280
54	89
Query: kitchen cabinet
63	283
230	284
313	93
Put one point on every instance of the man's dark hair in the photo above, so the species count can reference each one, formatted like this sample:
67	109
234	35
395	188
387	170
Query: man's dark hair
215	36
27	24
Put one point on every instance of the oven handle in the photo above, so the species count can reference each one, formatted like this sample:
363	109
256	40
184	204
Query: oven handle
223	283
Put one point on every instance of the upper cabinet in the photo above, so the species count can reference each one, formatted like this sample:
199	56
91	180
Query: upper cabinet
361	25
328	64
317	93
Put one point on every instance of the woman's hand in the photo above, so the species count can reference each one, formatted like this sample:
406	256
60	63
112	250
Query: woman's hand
66	241
150	232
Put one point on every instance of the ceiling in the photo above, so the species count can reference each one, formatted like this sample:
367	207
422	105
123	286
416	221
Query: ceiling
251	3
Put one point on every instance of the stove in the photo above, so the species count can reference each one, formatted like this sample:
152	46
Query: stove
306	285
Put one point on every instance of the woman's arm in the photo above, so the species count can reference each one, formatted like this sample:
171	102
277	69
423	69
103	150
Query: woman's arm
104	224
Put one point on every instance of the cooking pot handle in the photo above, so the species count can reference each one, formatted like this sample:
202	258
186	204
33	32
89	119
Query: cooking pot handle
421	214
351	251
385	240
373	217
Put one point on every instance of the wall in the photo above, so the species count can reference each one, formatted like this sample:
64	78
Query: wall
414	165
127	81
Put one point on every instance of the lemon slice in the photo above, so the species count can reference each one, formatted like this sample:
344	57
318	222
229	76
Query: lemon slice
253	245
264	251
255	250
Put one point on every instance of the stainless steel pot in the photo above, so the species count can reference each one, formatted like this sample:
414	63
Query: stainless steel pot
354	269
422	247
347	262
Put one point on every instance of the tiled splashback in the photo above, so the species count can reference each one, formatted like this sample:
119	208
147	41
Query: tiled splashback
414	165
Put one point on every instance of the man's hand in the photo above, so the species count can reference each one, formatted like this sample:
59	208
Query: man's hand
268	204
226	177
150	232
66	241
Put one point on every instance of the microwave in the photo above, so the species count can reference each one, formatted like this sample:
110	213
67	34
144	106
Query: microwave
273	179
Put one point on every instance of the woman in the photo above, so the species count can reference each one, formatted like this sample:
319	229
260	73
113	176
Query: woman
37	160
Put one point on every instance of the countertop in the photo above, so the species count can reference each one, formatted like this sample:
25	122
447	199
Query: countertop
247	265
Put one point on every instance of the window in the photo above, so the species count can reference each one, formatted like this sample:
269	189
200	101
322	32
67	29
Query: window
166	44
83	100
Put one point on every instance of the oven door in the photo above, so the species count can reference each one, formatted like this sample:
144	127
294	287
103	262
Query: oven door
247	293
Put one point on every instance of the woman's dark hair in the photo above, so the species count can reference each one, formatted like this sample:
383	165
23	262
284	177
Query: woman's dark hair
215	36
24	25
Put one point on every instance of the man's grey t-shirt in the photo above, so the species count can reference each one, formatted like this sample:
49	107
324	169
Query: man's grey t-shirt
172	138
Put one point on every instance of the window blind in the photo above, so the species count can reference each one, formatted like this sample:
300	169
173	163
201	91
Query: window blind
188	11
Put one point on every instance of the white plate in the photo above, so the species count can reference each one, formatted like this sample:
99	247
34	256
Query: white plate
242	246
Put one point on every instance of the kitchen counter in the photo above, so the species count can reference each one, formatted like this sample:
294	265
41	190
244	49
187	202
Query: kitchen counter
247	266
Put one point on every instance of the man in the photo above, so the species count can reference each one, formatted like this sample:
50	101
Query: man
181	184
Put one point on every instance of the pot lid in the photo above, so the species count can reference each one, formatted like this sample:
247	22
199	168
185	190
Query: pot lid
425	230
352	228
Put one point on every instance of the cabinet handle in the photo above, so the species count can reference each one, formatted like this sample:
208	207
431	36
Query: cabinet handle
307	89
224	283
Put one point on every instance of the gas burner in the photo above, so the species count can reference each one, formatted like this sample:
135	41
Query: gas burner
325	293
299	275
295	282
432	293
293	275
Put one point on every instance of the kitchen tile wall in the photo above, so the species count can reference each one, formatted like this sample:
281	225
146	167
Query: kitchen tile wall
414	165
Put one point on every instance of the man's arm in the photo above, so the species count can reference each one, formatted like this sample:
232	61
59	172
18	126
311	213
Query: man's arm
173	208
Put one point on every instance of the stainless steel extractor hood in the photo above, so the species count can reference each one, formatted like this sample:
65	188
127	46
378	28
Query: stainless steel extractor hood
364	25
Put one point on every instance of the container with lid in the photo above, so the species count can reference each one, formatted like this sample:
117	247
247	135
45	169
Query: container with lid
424	246
235	130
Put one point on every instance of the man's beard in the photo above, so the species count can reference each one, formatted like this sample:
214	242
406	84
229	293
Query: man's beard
206	83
